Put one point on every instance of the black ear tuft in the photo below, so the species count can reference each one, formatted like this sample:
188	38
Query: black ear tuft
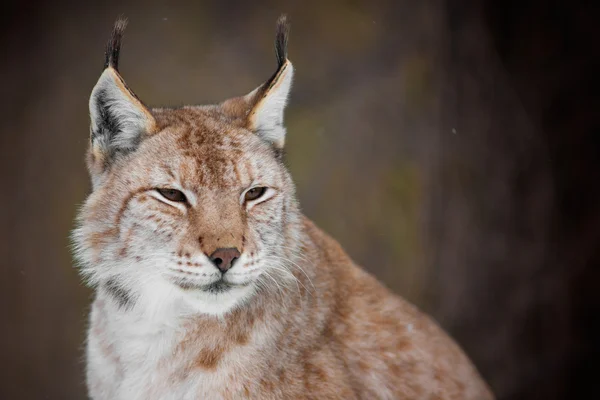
119	120
113	47
281	39
267	102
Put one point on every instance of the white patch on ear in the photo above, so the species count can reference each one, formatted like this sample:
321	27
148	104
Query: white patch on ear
118	118
266	118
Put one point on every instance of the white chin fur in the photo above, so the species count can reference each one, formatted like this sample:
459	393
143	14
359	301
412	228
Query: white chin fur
218	304
161	300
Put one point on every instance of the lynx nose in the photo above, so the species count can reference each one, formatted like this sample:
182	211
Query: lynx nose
224	258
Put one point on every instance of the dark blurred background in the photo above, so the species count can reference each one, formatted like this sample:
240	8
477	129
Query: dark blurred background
452	147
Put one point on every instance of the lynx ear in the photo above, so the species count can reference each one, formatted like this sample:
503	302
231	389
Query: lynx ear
119	120
263	107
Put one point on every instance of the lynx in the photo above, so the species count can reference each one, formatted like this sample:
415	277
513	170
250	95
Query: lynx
211	284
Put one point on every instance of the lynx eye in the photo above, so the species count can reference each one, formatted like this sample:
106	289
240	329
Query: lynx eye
254	193
172	194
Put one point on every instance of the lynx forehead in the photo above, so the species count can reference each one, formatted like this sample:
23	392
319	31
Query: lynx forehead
211	284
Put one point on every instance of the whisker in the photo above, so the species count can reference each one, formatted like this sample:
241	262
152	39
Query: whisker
279	258
275	281
288	273
282	267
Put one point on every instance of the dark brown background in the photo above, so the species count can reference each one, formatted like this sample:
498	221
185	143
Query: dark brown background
451	146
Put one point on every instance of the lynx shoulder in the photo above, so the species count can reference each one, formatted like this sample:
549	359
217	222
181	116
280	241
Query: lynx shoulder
211	284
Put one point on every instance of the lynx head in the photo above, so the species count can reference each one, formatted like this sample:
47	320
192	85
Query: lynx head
190	205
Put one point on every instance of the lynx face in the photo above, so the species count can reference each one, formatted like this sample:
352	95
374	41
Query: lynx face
192	205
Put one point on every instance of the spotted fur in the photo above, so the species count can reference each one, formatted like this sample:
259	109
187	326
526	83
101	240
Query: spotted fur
294	318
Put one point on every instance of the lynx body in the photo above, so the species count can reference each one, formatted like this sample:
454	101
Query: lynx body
210	283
